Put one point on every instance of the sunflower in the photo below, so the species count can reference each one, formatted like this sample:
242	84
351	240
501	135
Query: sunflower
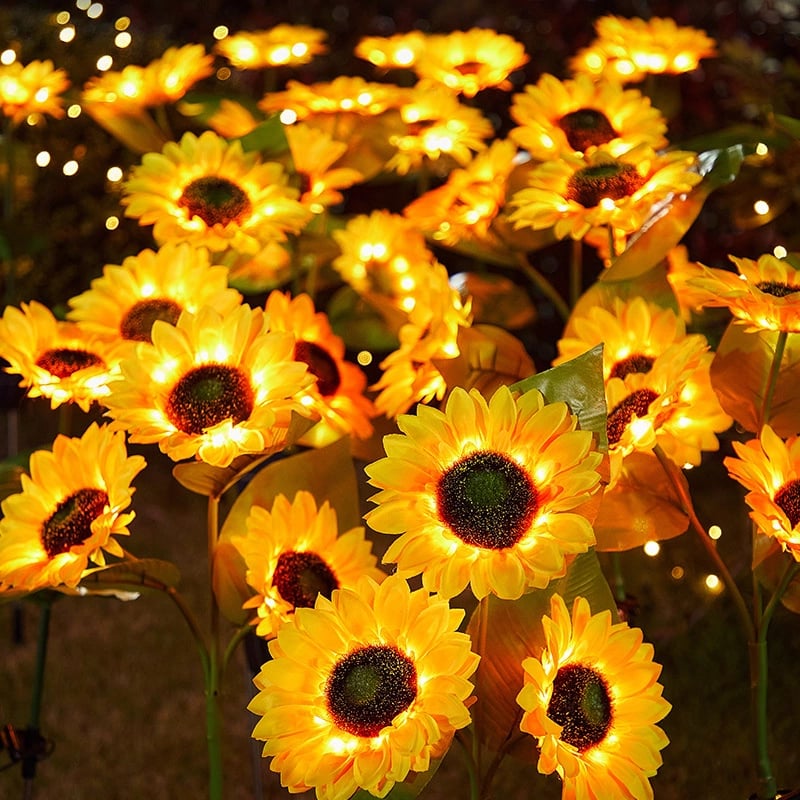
294	552
630	49
232	120
128	298
33	88
574	194
208	191
486	493
468	61
437	126
56	359
769	468
211	386
764	296
391	52
574	116
363	689
283	45
592	701
314	156
338	393
680	271
465	206
125	90
170	76
71	506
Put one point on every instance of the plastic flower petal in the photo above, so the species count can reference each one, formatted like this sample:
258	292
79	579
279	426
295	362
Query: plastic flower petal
211	386
71	506
33	88
400	51
293	552
208	191
282	45
592	702
485	493
363	689
769	468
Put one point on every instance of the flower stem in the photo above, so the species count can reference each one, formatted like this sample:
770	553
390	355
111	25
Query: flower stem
544	286
472	769
213	673
772	379
575	272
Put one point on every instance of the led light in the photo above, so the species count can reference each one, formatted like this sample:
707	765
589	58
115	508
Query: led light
364	358
652	548
67	34
123	39
42	158
94	10
713	583
7	57
114	174
70	168
122	23
779	251
74	111
715	531
761	207
104	63
112	223
677	573
220	32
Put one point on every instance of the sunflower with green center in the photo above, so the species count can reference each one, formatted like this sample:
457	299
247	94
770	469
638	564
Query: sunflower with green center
576	193
209	192
630	49
363	689
592	701
210	387
400	51
71	506
128	298
577	115
769	468
294	552
56	359
283	45
338	393
467	62
486	493
763	296
33	88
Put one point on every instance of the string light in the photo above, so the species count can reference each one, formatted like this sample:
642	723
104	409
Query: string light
112	223
8	57
715	532
220	32
104	63
761	207
122	23
364	358
70	168
67	34
42	158
114	174
713	583
223	73
780	251
761	149
123	39
74	111
677	573
63	17
82	5
652	548
94	10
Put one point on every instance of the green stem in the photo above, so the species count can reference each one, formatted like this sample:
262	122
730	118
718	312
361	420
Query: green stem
544	286
767	785
772	378
472	768
237	637
8	210
619	577
213	674
576	272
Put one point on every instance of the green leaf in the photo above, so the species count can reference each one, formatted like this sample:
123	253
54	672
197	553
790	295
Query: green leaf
268	138
360	324
789	124
150	573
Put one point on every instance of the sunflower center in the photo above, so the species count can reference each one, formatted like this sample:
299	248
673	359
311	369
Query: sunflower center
468	67
777	289
207	395
300	576
321	365
64	361
638	362
634	405
138	321
369	687
71	522
586	127
487	500
590	185
581	705
788	500
217	201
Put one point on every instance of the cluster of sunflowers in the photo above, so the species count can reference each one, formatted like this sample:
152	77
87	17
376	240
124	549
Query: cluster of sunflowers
497	483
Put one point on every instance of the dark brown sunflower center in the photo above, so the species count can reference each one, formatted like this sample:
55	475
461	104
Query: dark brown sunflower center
138	321
207	395
634	405
300	576
71	522
638	362
788	500
777	289
369	687
65	361
590	185
586	127
217	201
487	500
469	67
581	705
321	365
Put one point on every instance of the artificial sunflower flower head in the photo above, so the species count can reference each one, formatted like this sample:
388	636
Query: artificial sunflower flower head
210	387
71	507
400	51
363	689
208	191
338	394
486	493
294	552
769	468
153	284
577	115
283	45
231	120
592	700
680	271
630	49
438	131
56	359
763	296
33	88
577	193
467	62
177	69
